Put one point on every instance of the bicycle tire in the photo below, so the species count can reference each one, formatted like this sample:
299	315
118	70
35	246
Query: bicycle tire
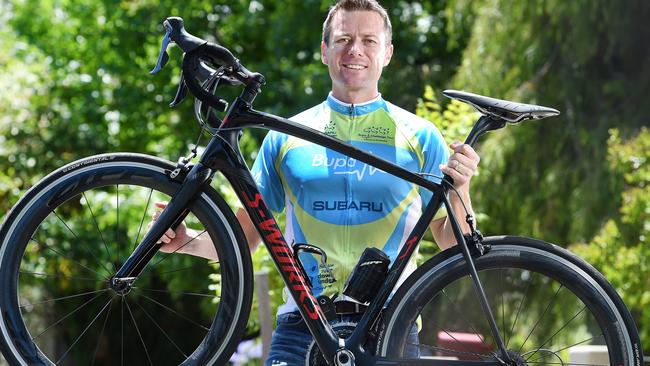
546	302
71	231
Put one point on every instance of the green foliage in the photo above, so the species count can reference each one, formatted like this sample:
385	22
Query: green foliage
621	249
581	57
454	122
74	82
553	179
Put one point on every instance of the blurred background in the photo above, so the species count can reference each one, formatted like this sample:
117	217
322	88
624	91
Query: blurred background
74	82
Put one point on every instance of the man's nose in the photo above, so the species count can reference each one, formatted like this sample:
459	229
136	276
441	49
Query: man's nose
355	47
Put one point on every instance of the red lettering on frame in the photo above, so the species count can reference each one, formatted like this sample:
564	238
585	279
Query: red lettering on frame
409	244
255	203
274	235
282	253
295	277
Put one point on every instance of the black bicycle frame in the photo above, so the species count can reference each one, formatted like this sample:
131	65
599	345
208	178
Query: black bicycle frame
222	154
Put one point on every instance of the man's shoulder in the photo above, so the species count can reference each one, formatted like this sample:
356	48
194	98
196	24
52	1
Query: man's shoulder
318	111
408	120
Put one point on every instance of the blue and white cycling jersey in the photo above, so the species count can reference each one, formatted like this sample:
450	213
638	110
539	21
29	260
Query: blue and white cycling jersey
343	205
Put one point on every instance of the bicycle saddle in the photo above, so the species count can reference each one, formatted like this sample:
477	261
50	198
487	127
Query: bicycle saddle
512	112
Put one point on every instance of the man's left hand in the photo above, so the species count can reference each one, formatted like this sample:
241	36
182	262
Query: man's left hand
462	164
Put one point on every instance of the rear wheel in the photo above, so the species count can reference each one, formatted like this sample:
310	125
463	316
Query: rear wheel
71	233
550	307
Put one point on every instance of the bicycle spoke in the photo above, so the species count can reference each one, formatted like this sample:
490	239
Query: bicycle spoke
144	214
77	237
139	334
464	346
68	315
38	274
576	344
540	318
117	218
62	298
65	354
568	363
177	249
175	312
101	334
557	332
188	268
455	308
66	257
122	333
176	292
503	305
521	303
98	229
446	350
172	271
162	330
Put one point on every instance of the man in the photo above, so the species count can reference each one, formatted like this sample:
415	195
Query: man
337	203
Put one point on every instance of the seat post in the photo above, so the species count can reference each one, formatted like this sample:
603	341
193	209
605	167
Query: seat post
482	126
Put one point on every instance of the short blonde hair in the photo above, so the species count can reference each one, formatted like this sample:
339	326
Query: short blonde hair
357	5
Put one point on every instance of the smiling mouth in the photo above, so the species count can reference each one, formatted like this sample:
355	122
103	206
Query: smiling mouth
354	66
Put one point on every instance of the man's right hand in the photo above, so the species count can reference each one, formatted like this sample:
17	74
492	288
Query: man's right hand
172	241
184	240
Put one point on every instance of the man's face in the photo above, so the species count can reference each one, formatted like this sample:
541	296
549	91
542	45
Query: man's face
356	54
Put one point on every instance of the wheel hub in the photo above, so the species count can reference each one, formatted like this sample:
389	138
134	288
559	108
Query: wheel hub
516	359
121	286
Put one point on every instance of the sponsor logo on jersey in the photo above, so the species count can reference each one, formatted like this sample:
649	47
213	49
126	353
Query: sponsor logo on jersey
330	129
345	166
376	133
348	206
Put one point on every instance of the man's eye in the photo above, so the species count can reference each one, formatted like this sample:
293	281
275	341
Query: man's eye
371	41
342	40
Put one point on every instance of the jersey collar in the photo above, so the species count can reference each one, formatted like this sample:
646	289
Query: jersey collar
356	109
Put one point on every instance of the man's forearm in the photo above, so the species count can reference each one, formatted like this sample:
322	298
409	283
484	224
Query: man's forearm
442	229
252	236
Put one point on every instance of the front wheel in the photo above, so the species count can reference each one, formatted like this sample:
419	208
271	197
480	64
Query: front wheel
551	308
68	236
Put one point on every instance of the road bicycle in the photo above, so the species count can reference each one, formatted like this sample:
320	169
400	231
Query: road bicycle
83	281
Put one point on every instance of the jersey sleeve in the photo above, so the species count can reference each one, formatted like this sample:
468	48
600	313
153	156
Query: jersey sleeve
265	171
435	152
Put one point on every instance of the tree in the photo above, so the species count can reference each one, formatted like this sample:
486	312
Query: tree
621	248
552	179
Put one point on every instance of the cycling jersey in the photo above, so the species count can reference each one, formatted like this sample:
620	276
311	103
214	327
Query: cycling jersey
343	205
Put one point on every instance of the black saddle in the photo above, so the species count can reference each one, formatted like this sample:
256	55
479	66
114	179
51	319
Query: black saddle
512	112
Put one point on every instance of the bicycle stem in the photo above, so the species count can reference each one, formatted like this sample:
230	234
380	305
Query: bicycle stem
480	292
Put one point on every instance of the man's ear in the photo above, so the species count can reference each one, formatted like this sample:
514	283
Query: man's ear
323	52
388	54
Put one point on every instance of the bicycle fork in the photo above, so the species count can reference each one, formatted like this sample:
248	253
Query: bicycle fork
171	217
478	287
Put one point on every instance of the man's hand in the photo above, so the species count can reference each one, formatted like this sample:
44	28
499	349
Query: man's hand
184	240
172	241
462	164
461	167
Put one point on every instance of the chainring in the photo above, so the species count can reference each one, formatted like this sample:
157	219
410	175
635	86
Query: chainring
315	356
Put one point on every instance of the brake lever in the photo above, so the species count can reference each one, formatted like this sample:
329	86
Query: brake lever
180	93
163	57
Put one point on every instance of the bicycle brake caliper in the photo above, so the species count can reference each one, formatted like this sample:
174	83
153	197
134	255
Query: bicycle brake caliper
475	239
181	166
